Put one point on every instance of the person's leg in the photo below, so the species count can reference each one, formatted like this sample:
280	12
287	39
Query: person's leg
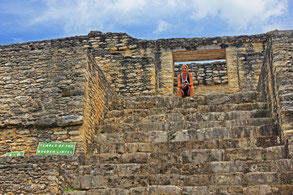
191	91
179	92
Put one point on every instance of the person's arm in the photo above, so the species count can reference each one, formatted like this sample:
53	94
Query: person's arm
178	81
190	79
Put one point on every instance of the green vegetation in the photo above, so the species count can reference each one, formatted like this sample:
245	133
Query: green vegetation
70	190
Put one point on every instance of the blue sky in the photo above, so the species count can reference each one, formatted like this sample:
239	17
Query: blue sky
36	20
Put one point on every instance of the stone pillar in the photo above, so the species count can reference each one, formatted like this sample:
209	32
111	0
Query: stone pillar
232	69
167	73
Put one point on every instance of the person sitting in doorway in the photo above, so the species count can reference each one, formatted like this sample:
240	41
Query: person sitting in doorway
185	83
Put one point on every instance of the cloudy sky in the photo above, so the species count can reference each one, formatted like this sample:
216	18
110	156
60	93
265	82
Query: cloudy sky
34	20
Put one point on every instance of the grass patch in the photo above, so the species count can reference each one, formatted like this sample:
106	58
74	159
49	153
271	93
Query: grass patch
70	190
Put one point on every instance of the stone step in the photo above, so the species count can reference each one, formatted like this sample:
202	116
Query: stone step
231	115
187	135
112	147
280	166
239	190
220	133
138	176
233	154
148	102
232	107
126	158
198	156
221	179
284	189
87	182
128	164
180	125
173	183
211	116
139	113
195	117
249	122
119	115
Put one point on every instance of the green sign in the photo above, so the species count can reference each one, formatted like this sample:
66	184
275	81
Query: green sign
56	148
15	154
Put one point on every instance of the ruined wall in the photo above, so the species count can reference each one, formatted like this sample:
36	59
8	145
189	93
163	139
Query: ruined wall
275	83
41	86
128	69
146	67
49	85
37	174
244	55
55	91
279	65
50	91
97	95
41	94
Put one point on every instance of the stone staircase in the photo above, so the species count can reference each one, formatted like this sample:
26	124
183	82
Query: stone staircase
207	144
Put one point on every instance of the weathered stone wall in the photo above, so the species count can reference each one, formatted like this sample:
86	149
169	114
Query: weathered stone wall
266	83
54	84
275	83
97	94
41	94
279	66
244	56
27	138
37	174
204	73
127	61
47	88
129	76
41	86
128	69
55	91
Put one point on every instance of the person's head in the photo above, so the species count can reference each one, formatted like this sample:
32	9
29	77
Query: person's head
184	68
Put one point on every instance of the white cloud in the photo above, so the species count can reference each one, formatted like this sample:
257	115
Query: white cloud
162	26
239	13
81	16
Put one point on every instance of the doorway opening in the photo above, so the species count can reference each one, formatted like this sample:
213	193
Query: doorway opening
208	69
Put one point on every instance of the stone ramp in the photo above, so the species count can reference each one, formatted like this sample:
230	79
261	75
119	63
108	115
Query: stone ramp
207	144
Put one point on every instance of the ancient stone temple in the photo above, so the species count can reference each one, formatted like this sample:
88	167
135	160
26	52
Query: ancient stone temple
115	97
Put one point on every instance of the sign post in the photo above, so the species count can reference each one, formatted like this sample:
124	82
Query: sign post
15	153
56	148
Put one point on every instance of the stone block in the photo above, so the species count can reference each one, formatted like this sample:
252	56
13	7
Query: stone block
227	179
165	179
137	147
197	180
202	155
157	136
139	191
244	154
76	193
231	190
258	178
126	181
194	169
132	169
164	190
275	152
135	157
98	181
187	190
227	167
261	190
